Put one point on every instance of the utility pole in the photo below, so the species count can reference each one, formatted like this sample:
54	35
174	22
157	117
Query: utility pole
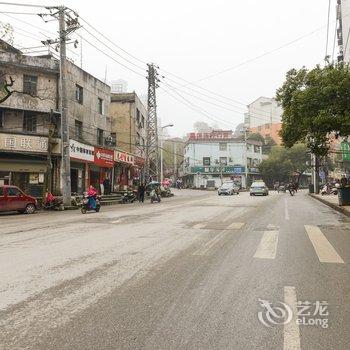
175	161
65	150
152	154
245	158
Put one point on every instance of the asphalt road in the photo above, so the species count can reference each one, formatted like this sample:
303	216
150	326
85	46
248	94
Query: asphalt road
196	271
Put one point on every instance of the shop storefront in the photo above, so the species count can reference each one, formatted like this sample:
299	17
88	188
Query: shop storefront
102	168
123	176
23	162
81	157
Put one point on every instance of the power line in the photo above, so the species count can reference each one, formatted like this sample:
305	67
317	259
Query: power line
328	19
21	4
19	13
109	48
112	58
110	41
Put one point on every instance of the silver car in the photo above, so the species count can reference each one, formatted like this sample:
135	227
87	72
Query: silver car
228	188
259	188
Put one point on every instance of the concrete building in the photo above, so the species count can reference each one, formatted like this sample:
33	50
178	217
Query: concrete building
25	122
213	158
262	111
128	116
343	30
269	130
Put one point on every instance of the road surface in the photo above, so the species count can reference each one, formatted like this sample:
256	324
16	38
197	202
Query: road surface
196	271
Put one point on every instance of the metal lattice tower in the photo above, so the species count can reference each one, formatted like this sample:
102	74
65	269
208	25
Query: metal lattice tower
152	156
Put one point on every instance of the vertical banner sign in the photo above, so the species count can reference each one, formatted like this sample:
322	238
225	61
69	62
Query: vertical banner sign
345	150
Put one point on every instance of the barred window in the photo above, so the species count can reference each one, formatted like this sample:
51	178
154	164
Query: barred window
30	84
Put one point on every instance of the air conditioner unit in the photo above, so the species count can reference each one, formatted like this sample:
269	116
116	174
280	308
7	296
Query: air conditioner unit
217	161
109	140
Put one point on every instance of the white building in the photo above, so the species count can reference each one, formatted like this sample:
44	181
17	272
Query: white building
264	110
343	30
119	86
213	158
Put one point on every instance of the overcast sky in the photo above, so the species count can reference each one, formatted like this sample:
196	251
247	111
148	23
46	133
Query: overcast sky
193	40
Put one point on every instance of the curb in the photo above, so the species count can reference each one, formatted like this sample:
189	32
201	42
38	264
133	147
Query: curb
332	205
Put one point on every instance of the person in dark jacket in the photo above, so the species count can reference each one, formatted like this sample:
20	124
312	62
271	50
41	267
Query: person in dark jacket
107	186
141	192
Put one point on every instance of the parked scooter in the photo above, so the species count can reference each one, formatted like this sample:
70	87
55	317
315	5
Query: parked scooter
128	197
329	190
86	204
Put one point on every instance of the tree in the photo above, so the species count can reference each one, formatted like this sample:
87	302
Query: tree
269	142
256	137
316	103
283	163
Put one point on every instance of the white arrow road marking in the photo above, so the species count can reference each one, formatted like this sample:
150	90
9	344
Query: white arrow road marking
205	250
268	246
291	332
324	250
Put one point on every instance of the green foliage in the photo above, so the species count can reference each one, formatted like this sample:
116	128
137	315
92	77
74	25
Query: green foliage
256	137
316	103
284	162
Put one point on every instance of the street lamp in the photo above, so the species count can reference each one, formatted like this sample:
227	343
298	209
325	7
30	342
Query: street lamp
161	150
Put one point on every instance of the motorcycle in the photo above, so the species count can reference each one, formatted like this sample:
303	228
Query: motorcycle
128	197
85	204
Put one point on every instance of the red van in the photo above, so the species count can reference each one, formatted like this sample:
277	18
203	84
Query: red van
13	199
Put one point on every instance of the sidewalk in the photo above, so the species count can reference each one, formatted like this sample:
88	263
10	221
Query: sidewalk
332	201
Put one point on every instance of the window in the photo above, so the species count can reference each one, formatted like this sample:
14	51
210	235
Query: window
79	94
100	137
256	149
78	129
143	121
100	105
138	139
267	126
29	122
223	160
138	118
1	118
114	139
30	83
223	146
206	160
13	192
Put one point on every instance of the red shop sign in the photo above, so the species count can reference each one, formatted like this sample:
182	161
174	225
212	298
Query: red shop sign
104	157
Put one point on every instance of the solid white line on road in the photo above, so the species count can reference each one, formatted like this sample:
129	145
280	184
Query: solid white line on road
268	246
199	226
324	250
235	226
208	245
272	227
291	332
286	212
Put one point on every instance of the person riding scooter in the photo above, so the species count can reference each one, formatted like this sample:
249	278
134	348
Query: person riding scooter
92	194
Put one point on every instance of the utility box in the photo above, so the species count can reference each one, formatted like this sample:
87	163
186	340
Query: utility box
344	195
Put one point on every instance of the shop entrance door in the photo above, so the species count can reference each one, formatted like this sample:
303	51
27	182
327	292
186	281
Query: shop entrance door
74	180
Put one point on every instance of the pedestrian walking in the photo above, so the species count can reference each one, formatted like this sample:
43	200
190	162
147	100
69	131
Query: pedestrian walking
141	192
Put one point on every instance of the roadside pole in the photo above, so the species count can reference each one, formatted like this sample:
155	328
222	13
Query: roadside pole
161	158
175	162
65	151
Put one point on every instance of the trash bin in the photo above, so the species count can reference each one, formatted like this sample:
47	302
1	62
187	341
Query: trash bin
311	188
344	195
